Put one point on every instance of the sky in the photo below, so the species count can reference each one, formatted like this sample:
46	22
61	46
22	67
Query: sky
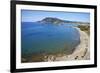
36	15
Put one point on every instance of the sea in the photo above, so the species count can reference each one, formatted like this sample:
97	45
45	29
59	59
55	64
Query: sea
39	38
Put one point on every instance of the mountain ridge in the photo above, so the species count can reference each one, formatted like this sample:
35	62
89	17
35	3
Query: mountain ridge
53	20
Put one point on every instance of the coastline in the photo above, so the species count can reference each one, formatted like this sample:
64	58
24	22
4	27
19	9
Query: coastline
82	51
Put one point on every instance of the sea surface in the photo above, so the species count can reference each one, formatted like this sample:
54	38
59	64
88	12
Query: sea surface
42	38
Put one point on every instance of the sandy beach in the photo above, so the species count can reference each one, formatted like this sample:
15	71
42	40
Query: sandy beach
82	51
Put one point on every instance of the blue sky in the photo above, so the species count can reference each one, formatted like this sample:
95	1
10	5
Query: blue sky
34	15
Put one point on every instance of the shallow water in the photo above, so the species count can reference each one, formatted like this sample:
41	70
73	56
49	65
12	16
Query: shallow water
48	38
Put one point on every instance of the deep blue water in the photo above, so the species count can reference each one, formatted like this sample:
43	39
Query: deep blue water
48	38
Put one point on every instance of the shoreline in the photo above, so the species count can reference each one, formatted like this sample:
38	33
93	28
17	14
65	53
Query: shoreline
81	52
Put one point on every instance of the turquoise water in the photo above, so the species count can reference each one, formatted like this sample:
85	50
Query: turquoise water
48	38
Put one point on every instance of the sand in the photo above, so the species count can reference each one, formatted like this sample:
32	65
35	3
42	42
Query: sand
82	51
